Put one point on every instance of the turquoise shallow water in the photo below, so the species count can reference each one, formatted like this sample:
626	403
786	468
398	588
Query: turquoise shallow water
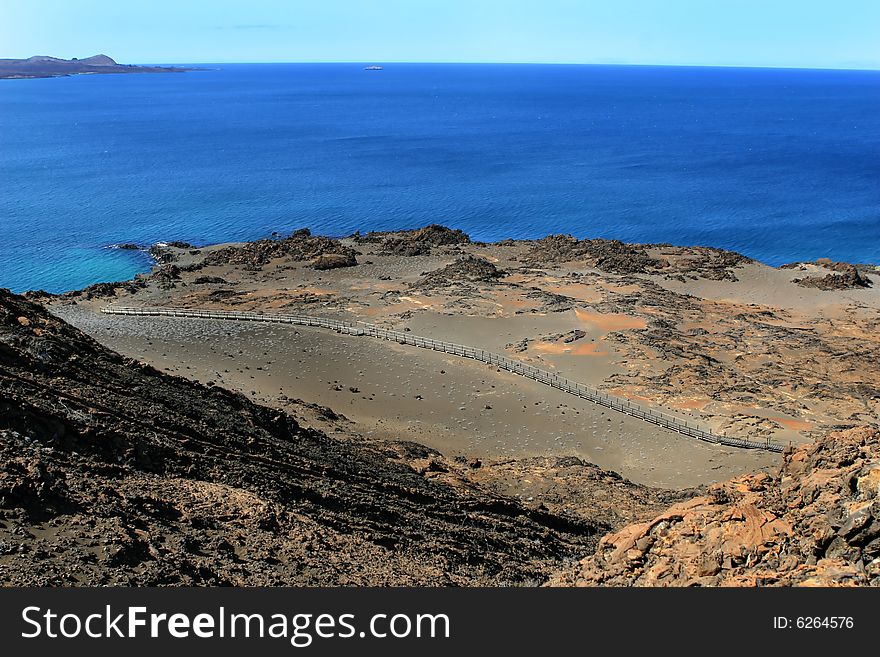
781	165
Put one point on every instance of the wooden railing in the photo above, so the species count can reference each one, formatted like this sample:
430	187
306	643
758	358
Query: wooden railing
659	418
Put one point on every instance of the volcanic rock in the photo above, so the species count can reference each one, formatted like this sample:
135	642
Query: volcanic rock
845	276
610	256
421	241
113	473
468	269
300	246
815	522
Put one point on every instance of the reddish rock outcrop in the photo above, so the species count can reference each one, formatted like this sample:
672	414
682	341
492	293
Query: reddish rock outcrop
816	522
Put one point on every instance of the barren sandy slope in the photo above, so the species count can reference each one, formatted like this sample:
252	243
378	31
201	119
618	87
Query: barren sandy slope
705	334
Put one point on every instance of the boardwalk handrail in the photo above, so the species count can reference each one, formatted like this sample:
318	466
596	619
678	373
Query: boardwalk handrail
622	405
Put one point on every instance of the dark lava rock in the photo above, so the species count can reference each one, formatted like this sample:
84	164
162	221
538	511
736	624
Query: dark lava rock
468	269
705	262
300	246
334	261
574	336
373	237
161	254
113	473
166	276
845	276
205	280
616	257
610	256
39	295
219	295
103	290
550	301
420	242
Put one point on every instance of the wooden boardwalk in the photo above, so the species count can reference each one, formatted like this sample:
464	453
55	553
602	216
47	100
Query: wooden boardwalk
659	418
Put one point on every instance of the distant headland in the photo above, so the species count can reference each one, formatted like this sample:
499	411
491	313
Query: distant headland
52	67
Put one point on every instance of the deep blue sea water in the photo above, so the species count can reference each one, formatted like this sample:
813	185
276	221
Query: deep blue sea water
781	165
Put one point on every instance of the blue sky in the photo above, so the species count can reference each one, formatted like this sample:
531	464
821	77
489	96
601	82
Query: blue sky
795	33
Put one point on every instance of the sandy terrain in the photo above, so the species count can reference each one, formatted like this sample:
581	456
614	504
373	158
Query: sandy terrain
395	392
740	348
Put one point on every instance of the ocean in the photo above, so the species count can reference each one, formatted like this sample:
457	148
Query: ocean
781	165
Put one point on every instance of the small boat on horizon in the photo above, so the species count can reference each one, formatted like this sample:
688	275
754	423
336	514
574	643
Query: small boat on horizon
373	68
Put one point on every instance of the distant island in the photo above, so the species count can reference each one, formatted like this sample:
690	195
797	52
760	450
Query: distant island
52	67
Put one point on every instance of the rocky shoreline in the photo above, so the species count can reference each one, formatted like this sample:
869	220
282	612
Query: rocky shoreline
53	67
609	256
324	460
658	272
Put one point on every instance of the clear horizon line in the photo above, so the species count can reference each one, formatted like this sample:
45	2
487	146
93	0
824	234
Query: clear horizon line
527	63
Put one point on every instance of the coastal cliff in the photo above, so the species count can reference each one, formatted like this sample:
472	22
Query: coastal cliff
52	67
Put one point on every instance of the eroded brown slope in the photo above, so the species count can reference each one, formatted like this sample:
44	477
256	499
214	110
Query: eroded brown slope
113	473
816	522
